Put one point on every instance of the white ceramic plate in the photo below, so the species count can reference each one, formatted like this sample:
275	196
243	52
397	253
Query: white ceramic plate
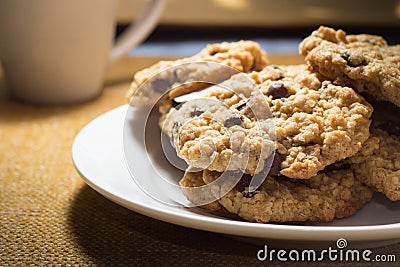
98	155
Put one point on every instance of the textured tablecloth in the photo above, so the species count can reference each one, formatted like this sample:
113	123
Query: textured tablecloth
50	217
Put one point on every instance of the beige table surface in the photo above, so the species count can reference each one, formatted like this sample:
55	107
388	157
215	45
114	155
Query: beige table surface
50	217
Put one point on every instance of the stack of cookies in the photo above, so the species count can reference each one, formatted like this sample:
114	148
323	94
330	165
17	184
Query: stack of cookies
323	135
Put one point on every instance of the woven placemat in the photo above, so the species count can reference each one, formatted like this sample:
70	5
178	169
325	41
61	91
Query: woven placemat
50	217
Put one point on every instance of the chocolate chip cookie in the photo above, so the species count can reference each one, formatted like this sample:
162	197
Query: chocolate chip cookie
364	62
329	195
237	134
316	123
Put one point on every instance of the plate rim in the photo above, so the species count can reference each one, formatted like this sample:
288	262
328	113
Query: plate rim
230	227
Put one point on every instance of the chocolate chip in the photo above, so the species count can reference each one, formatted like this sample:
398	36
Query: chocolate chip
274	67
243	183
277	90
177	105
160	85
196	112
234	119
246	193
243	186
353	60
241	105
345	56
276	165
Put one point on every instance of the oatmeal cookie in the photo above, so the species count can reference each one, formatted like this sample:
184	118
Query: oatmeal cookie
316	123
364	62
329	195
378	163
210	134
242	56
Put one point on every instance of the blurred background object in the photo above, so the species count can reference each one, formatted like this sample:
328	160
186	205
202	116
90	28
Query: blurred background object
272	13
187	25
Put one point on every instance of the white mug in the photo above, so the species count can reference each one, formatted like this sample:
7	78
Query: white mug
57	51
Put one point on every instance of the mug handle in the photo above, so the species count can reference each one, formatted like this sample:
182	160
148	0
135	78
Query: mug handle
138	30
